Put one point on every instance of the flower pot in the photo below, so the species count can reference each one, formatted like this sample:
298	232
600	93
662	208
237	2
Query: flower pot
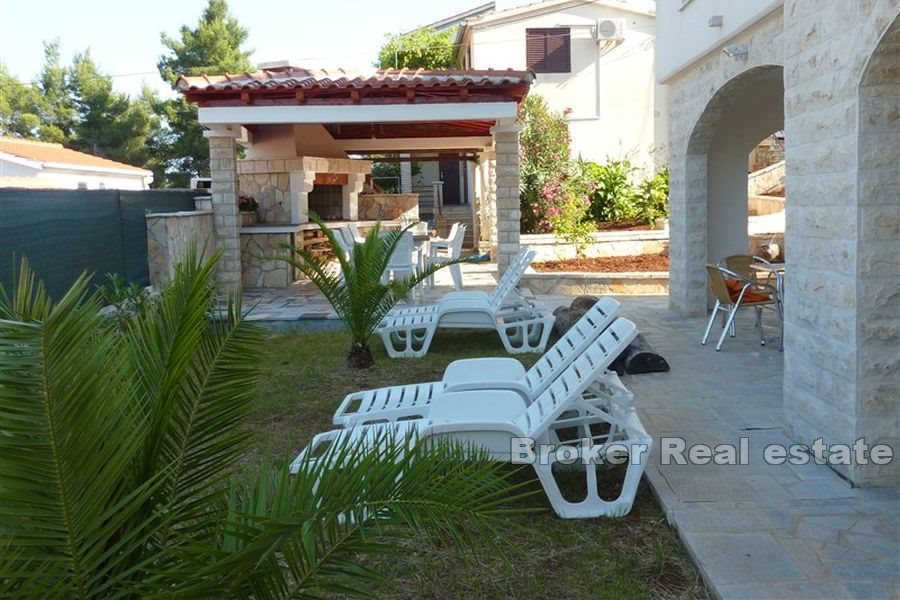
249	218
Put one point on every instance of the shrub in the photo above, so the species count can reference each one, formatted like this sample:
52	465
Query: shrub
652	197
612	198
568	209
543	160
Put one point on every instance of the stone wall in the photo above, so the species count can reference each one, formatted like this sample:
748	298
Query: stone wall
597	284
272	191
508	216
170	236
389	207
625	243
258	271
842	297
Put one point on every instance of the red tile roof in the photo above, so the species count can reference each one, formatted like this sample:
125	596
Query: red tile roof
293	78
45	152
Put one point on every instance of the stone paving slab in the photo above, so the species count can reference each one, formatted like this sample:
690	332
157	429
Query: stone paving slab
754	530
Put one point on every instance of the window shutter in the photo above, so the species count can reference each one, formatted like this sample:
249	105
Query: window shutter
548	50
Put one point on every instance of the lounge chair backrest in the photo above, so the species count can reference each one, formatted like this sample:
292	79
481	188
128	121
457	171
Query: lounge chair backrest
576	378
512	276
354	231
579	336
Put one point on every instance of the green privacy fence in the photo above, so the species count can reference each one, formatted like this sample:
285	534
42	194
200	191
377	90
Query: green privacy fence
66	232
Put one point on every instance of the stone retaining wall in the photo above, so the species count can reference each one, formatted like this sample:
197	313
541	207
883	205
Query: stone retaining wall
611	243
170	236
577	284
259	272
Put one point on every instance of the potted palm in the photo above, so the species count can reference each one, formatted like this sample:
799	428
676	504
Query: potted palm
356	292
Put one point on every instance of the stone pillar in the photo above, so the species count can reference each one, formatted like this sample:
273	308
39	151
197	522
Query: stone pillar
301	185
506	145
223	172
489	206
405	175
350	196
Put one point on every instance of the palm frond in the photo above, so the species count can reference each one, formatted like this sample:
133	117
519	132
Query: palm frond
71	428
356	292
294	536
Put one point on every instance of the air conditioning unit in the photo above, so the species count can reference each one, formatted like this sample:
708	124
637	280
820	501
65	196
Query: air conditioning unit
609	30
201	183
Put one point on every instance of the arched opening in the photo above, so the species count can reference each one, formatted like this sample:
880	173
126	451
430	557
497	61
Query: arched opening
878	250
742	112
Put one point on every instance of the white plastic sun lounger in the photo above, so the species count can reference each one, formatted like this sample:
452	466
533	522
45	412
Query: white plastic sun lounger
407	332
498	297
414	400
501	422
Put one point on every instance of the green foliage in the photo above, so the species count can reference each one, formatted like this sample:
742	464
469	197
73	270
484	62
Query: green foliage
652	197
612	198
568	211
76	105
356	291
419	49
213	46
543	160
126	298
124	453
387	174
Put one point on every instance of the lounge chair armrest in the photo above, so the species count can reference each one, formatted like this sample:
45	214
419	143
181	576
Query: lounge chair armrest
483	369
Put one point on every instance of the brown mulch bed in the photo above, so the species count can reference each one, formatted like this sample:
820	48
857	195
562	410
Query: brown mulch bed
633	225
607	264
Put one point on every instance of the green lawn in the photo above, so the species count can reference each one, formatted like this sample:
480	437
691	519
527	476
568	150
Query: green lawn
638	556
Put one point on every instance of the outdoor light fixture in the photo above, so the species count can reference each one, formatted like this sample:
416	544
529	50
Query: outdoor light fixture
735	51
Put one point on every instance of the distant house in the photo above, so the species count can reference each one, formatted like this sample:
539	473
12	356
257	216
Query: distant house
26	163
593	59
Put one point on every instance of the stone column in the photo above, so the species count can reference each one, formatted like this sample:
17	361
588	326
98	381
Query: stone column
506	145
223	172
405	175
301	185
350	196
489	205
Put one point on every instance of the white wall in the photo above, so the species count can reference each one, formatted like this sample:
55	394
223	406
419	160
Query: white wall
684	35
617	109
71	179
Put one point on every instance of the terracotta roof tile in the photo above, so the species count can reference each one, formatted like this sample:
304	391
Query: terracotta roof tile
45	152
294	77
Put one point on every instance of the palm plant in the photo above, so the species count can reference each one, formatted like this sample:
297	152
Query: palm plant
356	291
122	464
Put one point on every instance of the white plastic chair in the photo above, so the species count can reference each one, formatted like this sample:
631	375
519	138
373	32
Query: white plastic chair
414	400
499	421
344	240
401	263
355	235
449	248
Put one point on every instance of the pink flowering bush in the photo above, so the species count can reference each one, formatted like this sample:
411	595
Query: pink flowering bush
543	161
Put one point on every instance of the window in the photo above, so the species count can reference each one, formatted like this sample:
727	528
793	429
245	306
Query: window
82	185
548	50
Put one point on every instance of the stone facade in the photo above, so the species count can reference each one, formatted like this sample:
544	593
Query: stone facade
259	271
222	160
389	207
506	147
170	237
841	117
273	193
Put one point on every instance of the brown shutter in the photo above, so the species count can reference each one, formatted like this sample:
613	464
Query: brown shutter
547	50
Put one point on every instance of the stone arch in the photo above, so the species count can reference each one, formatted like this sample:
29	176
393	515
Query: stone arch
744	110
878	247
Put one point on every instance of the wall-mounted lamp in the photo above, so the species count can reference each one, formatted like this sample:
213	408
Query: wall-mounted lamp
735	51
715	21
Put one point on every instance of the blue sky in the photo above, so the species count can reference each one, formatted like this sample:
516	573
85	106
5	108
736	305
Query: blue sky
124	35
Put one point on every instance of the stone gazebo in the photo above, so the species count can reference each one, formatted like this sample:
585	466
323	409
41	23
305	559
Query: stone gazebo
305	133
